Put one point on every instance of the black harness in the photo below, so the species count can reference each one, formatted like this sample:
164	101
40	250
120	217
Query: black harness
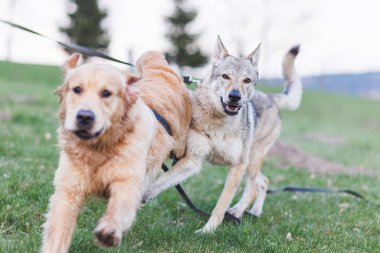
163	122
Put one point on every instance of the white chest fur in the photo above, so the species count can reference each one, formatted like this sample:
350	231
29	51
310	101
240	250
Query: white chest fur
225	148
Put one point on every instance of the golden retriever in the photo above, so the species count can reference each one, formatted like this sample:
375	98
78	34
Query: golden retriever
111	143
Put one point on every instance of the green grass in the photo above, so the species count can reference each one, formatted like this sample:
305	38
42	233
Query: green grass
317	222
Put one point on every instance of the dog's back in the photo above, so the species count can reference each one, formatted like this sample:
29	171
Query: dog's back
163	91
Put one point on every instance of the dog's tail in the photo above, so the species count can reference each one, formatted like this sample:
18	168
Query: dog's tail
291	97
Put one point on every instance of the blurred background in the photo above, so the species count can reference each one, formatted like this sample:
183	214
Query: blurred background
339	38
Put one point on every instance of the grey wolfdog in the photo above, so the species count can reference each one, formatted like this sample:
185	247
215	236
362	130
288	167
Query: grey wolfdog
233	125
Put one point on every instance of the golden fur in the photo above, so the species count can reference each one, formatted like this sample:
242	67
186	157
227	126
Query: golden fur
124	147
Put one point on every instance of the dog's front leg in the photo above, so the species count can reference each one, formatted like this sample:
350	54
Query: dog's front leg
234	177
262	187
64	207
253	183
184	168
125	198
197	148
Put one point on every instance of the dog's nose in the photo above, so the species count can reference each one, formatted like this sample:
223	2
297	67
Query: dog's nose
234	96
85	119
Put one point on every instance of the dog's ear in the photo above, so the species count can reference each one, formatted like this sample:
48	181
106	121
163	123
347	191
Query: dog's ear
131	94
71	63
132	91
131	78
255	55
220	52
61	92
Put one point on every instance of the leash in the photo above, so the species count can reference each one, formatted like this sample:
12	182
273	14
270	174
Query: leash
74	47
317	190
187	79
322	190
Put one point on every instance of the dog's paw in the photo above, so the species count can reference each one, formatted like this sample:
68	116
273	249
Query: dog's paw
236	212
148	196
205	230
256	212
209	228
108	233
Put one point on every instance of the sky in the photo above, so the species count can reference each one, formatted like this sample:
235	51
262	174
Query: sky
336	36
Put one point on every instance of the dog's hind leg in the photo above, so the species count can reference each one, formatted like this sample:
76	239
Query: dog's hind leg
61	219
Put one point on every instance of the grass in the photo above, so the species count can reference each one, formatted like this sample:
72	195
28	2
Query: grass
317	222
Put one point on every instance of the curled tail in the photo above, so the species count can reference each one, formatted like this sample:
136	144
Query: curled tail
291	96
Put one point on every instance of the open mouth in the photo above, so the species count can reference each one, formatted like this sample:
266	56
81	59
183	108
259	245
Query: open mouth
230	108
86	135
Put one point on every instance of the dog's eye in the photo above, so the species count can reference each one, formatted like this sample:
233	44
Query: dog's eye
106	93
77	90
247	80
225	76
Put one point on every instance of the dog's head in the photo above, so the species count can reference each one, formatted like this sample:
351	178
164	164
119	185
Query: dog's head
93	98
232	79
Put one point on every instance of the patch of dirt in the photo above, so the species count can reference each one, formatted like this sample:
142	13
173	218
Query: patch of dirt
293	156
5	116
25	99
327	139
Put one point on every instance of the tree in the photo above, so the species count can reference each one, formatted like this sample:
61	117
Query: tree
85	25
184	51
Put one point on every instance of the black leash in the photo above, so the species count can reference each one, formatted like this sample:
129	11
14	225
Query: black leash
319	190
88	51
74	47
316	190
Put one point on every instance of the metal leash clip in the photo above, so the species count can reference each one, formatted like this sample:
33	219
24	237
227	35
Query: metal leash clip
188	79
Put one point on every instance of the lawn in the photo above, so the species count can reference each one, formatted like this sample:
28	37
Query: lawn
338	128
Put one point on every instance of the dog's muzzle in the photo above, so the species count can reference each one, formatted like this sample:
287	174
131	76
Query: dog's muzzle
231	108
85	121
